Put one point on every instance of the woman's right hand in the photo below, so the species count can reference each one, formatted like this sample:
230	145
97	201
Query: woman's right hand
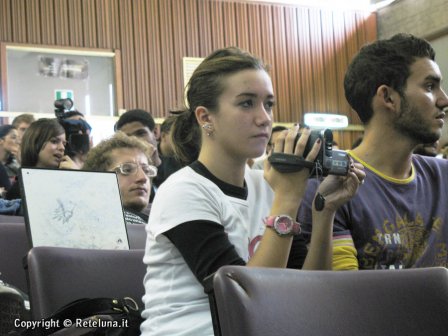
291	185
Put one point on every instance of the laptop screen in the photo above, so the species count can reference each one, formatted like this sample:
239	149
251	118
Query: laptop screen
73	208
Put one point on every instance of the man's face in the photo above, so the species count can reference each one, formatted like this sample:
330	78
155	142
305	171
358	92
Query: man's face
135	189
141	131
421	111
21	128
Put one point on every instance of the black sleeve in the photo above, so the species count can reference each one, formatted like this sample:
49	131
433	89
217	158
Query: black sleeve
4	178
298	252
204	246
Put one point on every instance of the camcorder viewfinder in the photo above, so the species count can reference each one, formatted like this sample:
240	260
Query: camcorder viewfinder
329	161
76	130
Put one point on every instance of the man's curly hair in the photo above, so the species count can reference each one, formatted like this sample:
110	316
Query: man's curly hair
99	157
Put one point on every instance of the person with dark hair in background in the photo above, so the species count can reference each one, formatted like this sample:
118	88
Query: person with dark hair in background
216	211
9	148
170	163
276	130
77	133
43	146
399	217
130	158
141	124
9	145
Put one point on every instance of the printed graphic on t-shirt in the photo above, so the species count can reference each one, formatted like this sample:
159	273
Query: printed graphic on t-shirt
403	244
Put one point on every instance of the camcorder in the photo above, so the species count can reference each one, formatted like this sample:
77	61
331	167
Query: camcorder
328	160
77	131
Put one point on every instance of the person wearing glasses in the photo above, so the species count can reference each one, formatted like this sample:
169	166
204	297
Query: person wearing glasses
130	158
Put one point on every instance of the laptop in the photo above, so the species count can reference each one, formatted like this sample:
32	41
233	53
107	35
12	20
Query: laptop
73	208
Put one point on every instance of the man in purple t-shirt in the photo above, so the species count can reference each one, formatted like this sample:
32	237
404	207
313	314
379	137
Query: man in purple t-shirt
399	217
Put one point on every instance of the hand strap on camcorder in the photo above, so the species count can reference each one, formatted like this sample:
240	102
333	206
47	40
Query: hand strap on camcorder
289	163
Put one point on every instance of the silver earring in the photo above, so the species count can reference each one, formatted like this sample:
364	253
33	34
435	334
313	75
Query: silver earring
208	128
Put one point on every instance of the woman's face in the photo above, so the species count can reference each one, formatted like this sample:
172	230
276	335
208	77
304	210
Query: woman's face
11	142
243	122
52	152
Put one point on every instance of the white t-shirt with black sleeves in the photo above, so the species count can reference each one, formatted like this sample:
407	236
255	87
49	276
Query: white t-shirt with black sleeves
175	302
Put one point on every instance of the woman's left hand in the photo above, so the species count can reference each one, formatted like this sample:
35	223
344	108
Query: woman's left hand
337	190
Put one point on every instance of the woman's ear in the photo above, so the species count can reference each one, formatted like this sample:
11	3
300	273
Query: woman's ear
205	120
202	115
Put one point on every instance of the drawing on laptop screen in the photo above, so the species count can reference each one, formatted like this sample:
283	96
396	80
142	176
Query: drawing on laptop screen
73	208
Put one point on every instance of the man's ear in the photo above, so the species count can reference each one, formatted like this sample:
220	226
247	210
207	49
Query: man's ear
387	96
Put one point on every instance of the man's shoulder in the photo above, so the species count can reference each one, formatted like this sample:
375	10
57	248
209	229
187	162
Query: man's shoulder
427	164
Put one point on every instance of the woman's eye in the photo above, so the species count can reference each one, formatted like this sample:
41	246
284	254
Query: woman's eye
430	86
269	105
247	103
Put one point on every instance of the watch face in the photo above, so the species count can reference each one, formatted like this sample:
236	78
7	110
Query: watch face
283	225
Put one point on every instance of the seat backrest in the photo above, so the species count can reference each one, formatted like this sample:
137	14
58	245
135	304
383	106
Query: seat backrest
13	248
136	236
58	276
262	302
12	219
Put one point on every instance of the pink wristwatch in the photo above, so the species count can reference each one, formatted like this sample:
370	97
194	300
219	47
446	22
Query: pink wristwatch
284	225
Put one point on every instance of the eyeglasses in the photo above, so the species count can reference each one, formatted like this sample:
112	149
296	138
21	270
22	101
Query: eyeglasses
130	168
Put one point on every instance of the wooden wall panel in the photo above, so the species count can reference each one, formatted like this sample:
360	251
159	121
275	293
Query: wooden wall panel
230	28
19	22
217	24
204	24
243	32
330	97
166	46
76	36
307	48
61	19
317	61
279	46
89	24
33	22
192	44
141	51
255	31
341	60
47	22
6	29
128	55
179	47
107	21
306	57
155	89
293	79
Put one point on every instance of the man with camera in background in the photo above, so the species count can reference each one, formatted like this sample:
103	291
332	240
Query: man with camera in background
399	217
77	133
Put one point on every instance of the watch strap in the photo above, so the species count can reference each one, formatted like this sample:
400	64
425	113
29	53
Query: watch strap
270	222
